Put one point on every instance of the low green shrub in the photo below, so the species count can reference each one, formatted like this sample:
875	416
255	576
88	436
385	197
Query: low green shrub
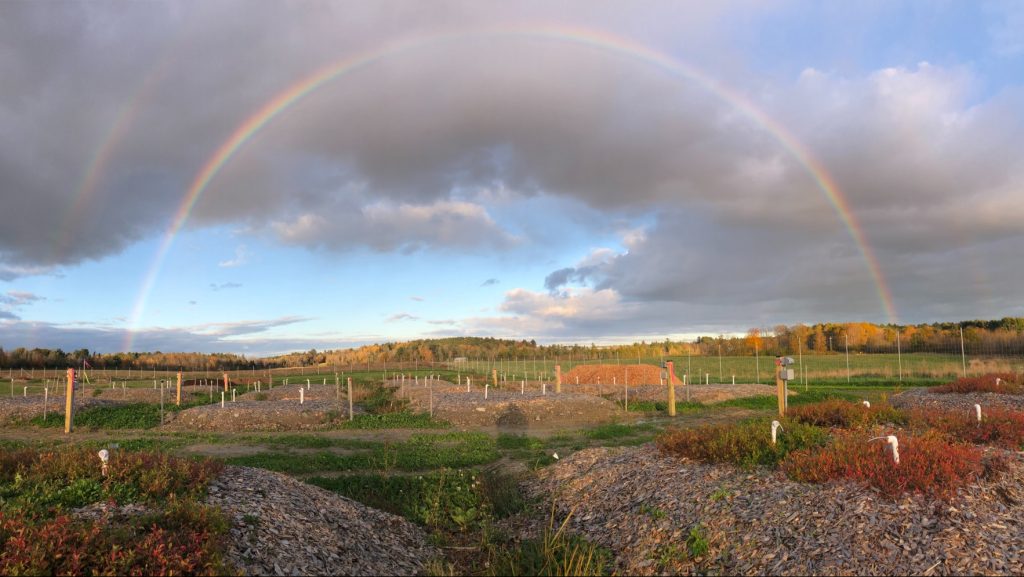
746	444
846	414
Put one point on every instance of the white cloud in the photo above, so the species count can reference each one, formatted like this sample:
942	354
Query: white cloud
241	258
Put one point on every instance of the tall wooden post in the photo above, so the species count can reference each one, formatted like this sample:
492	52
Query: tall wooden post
178	399
494	377
780	387
69	402
558	378
350	416
670	368
225	382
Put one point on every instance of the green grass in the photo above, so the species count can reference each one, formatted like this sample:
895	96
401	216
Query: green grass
420	452
441	499
401	420
770	402
616	431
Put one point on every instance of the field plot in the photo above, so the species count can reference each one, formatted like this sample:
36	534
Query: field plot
580	490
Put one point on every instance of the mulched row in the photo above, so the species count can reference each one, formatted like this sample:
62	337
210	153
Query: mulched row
281	526
643	506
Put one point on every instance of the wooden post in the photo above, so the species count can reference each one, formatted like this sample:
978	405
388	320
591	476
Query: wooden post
558	378
780	387
69	402
225	382
178	399
671	389
350	398
494	377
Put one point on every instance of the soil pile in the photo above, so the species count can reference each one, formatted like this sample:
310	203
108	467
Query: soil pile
667	515
620	374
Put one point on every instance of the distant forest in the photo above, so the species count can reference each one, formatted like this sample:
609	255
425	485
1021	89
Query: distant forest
1003	336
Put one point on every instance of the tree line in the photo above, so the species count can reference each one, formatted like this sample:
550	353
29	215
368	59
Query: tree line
1004	335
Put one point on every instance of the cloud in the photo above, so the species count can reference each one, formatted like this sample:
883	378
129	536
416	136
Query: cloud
238	337
490	282
452	146
401	317
225	285
241	257
8	315
405	227
19	298
417	299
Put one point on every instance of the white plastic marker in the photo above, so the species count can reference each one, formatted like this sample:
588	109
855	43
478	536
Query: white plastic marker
866	404
222	399
543	388
302	396
468	382
555	455
998	380
894	444
977	412
776	426
522	388
104	457
307	384
486	386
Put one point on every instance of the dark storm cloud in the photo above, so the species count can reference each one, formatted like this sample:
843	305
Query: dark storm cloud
401	154
243	337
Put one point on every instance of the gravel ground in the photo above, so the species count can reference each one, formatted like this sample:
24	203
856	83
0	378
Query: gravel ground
280	526
508	407
925	398
256	416
643	506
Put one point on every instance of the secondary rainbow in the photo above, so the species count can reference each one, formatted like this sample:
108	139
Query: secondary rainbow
600	40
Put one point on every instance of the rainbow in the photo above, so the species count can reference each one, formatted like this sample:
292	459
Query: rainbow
101	158
599	40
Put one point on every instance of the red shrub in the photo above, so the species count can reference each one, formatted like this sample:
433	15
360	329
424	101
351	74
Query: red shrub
928	464
1010	385
846	414
998	427
182	541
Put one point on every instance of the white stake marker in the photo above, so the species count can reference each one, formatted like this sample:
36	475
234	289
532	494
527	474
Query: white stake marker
776	426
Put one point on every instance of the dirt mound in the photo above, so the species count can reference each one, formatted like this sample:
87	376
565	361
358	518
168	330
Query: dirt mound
620	374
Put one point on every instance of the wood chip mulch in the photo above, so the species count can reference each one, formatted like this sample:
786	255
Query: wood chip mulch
643	505
281	526
925	398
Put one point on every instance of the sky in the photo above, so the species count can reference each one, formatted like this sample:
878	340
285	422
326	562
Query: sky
260	177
